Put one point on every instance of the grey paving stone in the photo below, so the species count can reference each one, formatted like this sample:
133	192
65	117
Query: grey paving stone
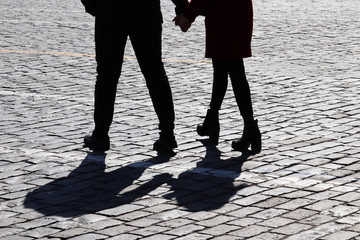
341	235
249	231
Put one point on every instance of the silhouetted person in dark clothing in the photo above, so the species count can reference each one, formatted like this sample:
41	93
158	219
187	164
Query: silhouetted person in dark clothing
141	21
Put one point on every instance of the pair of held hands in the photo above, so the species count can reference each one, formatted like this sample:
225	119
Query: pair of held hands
181	21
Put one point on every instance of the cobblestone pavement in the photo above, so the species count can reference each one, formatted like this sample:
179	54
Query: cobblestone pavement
305	83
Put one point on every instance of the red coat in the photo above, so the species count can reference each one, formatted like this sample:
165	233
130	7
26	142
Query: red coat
229	25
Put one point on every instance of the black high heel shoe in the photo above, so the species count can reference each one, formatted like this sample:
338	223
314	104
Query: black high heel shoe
210	127
251	136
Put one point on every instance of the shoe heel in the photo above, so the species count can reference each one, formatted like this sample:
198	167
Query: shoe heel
256	141
251	136
256	146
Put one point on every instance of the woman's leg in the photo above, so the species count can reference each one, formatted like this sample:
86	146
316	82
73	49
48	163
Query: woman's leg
251	134
220	83
211	127
241	88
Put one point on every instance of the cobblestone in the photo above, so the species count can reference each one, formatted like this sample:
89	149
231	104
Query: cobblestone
304	76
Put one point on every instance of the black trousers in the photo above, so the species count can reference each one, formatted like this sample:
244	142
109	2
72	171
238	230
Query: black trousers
223	68
110	41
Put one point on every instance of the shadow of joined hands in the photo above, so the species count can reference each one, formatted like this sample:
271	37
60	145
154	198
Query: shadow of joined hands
89	189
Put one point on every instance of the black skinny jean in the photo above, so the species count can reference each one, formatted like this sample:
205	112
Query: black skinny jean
110	41
223	68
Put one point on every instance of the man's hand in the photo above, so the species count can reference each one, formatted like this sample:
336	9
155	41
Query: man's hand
182	22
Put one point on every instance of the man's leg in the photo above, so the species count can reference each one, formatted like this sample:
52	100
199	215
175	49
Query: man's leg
146	40
110	44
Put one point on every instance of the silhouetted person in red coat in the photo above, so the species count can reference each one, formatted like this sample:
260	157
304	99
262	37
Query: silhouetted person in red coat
229	25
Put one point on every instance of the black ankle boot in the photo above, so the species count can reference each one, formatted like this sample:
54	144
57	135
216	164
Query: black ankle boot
251	136
210	127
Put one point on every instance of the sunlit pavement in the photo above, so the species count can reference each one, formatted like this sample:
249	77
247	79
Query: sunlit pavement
305	84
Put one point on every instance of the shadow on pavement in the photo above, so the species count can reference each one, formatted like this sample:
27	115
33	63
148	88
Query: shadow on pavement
89	189
211	184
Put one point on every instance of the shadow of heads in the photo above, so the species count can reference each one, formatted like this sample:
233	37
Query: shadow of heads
211	184
89	188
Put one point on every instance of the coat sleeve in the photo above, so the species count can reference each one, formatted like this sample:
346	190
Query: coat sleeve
180	6
90	6
194	9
